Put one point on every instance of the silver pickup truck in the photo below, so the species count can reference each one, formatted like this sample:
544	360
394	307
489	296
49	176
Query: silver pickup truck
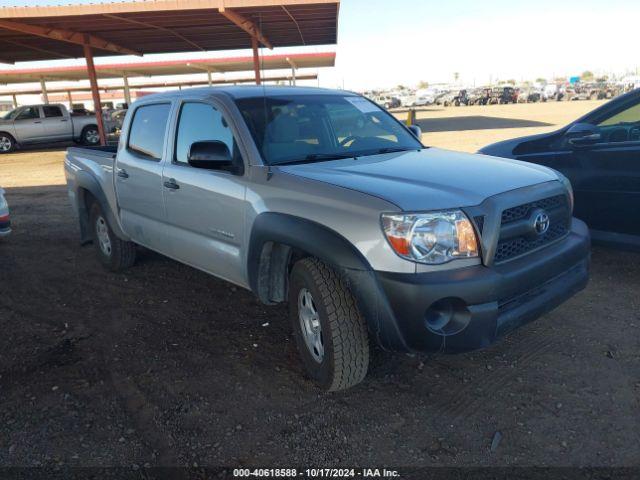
321	199
45	123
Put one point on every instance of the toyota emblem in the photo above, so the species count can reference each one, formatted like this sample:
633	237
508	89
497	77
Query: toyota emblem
541	223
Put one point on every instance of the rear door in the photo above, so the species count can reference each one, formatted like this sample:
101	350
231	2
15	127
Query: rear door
28	125
205	208
138	176
56	124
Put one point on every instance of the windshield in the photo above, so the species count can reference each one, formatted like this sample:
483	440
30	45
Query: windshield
9	115
321	127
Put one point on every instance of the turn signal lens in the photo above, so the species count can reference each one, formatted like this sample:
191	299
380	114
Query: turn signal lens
467	243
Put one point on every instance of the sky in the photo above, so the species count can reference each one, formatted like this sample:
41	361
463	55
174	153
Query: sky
383	43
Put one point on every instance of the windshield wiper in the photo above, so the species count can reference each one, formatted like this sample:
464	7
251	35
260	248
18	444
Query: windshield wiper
390	150
317	157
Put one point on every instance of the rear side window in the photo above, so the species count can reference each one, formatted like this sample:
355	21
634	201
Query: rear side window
147	131
50	111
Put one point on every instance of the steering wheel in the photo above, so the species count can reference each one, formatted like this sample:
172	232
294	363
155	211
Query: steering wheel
350	138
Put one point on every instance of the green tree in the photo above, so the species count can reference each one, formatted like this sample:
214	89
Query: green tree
423	84
586	76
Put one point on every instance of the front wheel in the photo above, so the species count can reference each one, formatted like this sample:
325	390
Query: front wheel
7	143
115	254
329	330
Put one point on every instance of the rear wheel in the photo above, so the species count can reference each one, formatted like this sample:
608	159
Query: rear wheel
7	143
330	332
90	135
115	254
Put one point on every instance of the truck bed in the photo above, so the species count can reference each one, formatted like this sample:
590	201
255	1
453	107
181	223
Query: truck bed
106	150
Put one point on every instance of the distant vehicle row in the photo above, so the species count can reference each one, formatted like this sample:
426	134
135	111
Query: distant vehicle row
498	95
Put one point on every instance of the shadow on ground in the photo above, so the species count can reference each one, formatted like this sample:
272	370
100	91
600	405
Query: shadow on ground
454	124
164	365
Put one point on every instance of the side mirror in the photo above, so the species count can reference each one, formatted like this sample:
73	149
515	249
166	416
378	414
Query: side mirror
416	130
583	134
210	155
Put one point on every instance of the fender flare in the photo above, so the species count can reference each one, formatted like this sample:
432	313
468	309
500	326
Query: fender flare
87	182
314	239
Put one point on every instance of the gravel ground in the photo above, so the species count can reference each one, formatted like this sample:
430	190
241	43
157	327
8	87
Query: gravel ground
164	365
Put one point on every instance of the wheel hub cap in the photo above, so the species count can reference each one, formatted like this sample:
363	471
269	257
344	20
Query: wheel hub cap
92	136
102	232
310	325
5	144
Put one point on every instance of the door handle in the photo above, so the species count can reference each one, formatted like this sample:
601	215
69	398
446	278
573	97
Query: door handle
171	183
585	140
122	173
38	121
64	120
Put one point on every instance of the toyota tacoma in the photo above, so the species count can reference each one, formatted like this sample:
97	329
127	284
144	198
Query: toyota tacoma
323	200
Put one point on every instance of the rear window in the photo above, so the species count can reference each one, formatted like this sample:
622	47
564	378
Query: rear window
147	131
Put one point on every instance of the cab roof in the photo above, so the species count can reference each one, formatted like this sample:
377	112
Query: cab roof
249	91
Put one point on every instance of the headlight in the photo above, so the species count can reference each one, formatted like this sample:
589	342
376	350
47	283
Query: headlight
432	238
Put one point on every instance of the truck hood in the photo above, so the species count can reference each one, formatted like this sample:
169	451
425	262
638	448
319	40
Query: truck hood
428	179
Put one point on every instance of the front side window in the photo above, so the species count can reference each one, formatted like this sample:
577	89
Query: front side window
147	131
314	127
623	126
51	111
200	122
28	113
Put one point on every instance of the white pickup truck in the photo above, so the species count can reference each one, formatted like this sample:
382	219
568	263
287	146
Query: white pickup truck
43	124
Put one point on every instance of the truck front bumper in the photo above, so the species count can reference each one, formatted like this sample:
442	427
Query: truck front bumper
469	308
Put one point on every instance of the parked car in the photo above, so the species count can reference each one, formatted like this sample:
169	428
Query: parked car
531	95
599	153
322	199
45	123
428	96
117	118
479	96
455	97
5	220
502	95
388	101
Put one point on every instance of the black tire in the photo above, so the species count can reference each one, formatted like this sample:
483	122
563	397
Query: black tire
120	254
90	135
344	336
7	143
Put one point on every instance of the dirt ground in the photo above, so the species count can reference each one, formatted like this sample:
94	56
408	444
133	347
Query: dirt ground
164	365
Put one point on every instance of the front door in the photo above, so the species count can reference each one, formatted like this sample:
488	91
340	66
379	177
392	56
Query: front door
28	125
138	177
606	173
205	208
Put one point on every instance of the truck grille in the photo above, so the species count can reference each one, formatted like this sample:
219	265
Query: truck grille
511	246
523	211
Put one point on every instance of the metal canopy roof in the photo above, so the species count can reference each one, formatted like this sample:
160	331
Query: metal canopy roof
170	67
163	26
173	85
